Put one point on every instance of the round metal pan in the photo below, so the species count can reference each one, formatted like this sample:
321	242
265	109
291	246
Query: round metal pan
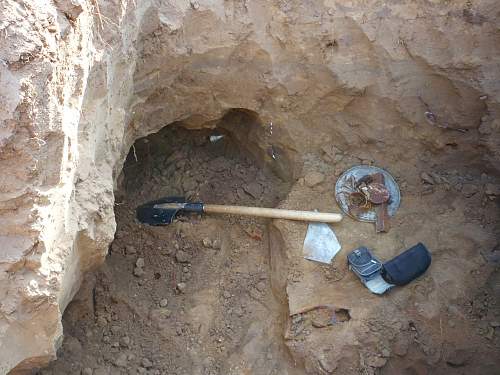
344	187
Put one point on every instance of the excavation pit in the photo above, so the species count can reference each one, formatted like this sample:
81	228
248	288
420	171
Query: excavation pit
213	294
194	296
411	88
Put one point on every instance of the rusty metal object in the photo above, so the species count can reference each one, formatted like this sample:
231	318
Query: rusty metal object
376	193
357	203
368	193
382	222
358	199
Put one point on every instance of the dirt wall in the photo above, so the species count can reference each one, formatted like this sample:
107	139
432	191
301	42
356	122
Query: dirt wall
411	83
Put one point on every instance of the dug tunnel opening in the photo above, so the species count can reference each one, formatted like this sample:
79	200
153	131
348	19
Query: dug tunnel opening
193	297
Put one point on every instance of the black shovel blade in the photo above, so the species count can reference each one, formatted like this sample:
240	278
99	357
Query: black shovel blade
148	214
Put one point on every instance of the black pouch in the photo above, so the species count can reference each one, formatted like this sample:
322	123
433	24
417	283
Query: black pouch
407	266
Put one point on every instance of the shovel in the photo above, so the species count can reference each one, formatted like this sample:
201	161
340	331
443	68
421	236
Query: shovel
163	211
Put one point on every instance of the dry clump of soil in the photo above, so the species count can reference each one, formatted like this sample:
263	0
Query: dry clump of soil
190	298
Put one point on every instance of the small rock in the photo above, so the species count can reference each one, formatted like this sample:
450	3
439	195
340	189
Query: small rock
139	262
138	271
146	363
182	256
159	317
400	347
492	189
297	318
314	178
261	286
331	150
328	366
255	294
430	117
163	302
457	358
101	321
427	178
239	311
490	334
327	158
189	183
207	242
428	190
115	248
321	318
106	339
121	360
115	344
216	244
397	325
87	371
240	193
218	164
115	329
469	190
375	361
194	5
125	341
181	287
226	294
254	189
180	164
130	250
495	324
386	353
179	330
254	233
437	178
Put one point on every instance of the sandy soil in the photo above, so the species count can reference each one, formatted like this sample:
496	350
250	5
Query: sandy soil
202	302
195	297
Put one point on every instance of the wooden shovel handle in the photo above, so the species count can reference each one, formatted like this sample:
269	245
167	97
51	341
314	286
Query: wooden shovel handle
274	213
